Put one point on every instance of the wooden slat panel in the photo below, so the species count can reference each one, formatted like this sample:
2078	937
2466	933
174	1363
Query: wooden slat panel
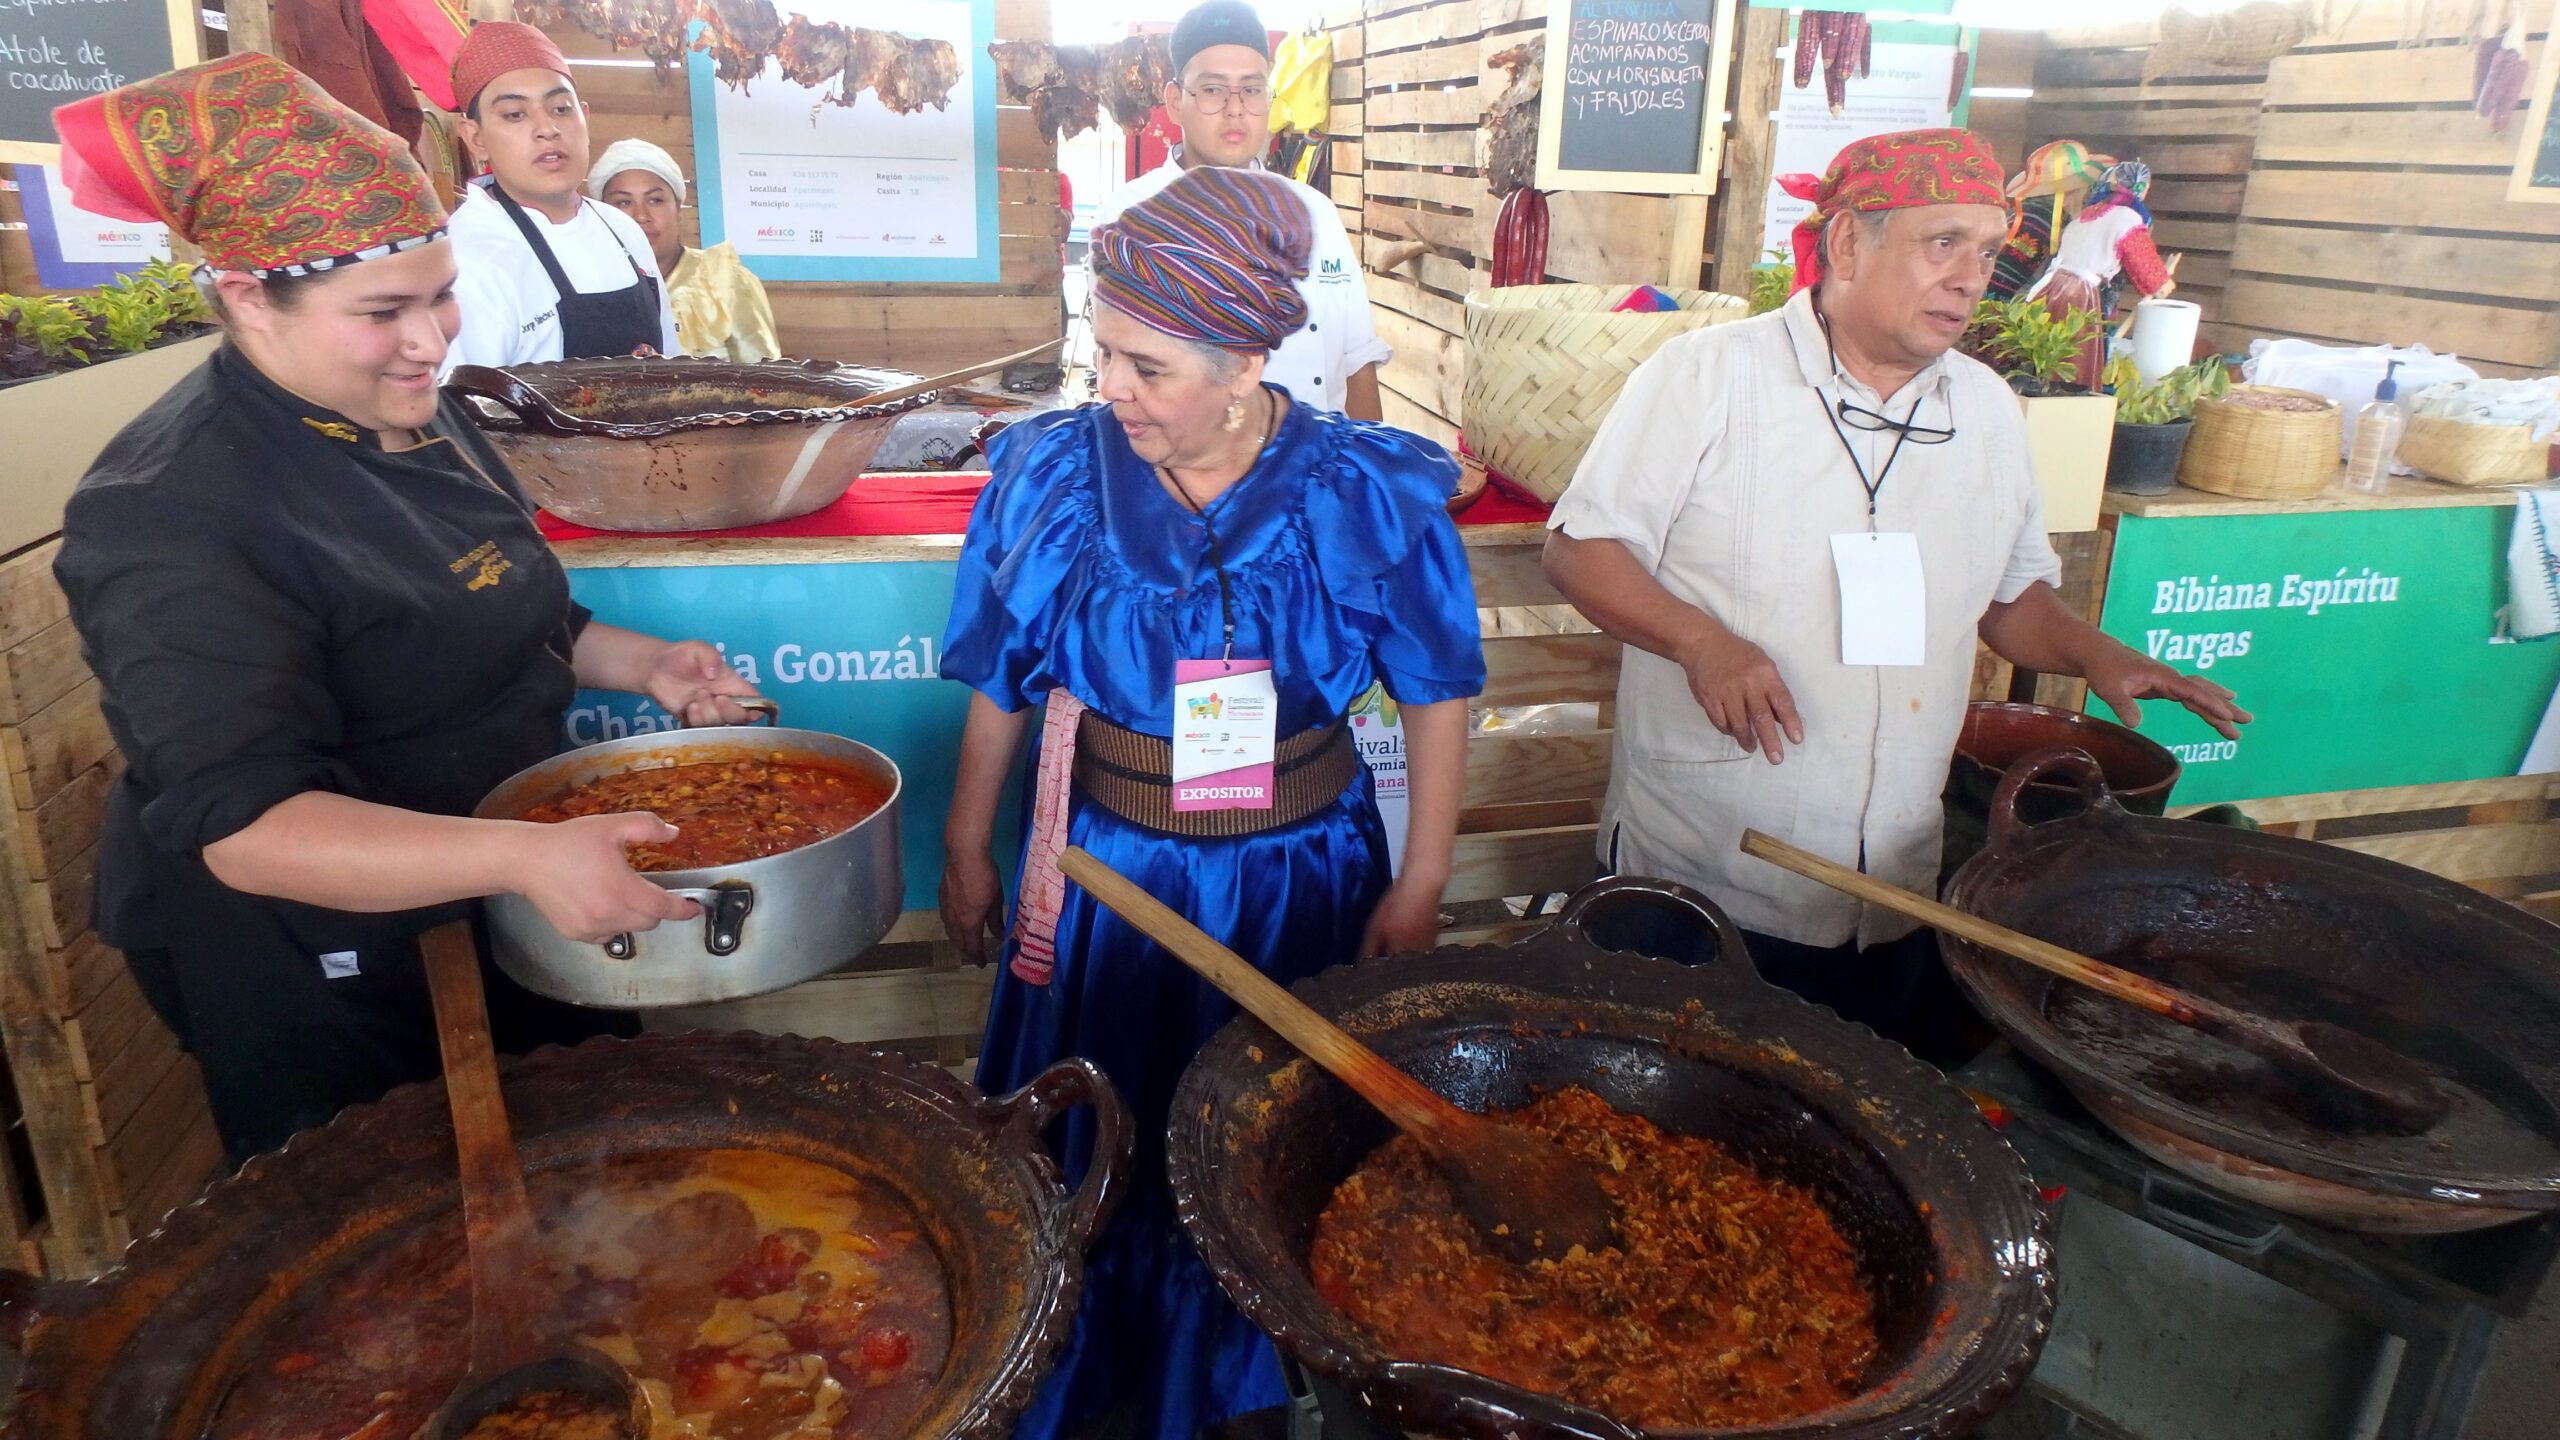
2384	137
30	601
1346	190
2406	22
2467	265
2243	91
1466	234
2442	201
1346	82
1422	147
1404	414
1436	105
1550	669
1521	862
55	745
2291	809
1429	366
1524	769
858	1009
898	329
158	1125
183	1172
1510	575
1431	65
1609	239
1458	192
1349	156
2474	852
2148	122
1395	292
40	671
2206	199
106	1029
2433	75
87	966
61	901
66	826
1511	815
2172	234
128	1080
2503	333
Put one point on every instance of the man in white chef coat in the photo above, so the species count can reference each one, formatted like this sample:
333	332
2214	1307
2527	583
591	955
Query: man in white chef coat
1798	524
1222	100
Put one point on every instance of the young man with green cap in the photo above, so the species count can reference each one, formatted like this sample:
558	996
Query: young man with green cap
1221	97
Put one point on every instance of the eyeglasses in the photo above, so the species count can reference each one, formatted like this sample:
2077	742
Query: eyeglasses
1214	99
1858	417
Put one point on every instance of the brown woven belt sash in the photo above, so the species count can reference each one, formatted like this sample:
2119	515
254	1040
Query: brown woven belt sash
1131	775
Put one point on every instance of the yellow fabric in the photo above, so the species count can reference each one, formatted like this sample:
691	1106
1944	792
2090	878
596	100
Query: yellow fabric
1301	83
721	310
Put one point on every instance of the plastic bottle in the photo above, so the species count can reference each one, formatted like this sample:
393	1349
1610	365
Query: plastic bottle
2378	427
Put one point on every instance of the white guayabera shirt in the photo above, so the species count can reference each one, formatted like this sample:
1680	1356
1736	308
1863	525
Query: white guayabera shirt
1721	474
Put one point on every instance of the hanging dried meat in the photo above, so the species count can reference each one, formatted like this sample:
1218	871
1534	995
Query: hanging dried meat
905	74
2498	77
1069	86
1511	121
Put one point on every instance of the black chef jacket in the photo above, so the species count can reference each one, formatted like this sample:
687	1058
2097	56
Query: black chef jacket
273	604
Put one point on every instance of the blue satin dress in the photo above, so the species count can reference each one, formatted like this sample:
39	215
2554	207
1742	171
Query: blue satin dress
1080	572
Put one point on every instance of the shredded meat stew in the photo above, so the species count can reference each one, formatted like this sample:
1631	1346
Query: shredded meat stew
1733	1302
727	811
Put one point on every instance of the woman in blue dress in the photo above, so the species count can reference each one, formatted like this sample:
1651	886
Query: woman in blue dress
1199	516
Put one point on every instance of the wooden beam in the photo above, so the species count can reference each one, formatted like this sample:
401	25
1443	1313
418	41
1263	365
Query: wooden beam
1742	202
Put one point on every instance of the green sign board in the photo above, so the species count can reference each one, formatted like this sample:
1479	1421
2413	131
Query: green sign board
2366	642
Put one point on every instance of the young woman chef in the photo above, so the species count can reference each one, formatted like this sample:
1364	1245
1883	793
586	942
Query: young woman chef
546	273
323	620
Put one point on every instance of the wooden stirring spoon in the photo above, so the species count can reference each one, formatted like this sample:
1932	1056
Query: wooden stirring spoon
518	1357
1527	1197
2360	1080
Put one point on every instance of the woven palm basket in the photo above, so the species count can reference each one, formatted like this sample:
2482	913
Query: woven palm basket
1545	363
2467	454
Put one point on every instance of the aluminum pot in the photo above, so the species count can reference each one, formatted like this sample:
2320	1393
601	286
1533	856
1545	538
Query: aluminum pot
766	924
1945	1221
149	1350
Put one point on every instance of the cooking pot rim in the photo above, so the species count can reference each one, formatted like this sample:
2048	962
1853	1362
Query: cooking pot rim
518	389
2020	844
1990	1371
38	1316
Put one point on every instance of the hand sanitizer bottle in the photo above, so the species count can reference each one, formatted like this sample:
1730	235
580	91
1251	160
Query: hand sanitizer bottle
2378	427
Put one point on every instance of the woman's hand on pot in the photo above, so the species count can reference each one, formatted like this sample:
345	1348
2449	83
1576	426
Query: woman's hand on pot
1408	918
690	681
2124	677
579	875
972	903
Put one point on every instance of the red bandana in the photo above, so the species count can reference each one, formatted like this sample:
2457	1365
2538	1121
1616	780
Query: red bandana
495	47
425	36
1892	172
257	166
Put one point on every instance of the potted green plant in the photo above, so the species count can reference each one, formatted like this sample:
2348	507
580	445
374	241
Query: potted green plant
2069	429
1772	281
74	369
2152	421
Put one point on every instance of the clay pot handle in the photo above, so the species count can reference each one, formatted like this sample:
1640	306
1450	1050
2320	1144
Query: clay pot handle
2008	827
1485	1406
505	390
24	1300
1731	956
1071	1082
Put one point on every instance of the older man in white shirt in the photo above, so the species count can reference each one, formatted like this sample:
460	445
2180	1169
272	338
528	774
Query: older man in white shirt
1222	101
1798	524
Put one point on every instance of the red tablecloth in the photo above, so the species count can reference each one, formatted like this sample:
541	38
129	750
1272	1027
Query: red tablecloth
938	503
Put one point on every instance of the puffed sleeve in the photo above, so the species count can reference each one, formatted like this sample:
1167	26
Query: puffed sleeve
1391	554
1024	559
215	677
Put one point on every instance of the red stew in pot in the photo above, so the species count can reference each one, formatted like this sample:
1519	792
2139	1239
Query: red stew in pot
726	811
1733	1300
755	1296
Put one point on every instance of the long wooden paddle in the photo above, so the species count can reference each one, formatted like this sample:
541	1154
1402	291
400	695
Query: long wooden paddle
2362	1078
1529	1199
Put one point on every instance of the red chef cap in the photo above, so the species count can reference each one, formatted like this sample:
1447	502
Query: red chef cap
495	47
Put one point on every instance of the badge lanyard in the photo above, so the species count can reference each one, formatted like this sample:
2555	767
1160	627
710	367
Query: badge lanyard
1217	566
1902	435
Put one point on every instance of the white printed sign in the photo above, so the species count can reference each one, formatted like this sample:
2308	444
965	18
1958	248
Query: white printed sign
1906	89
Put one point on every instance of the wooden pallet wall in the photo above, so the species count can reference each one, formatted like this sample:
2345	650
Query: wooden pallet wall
114	1113
2368	204
914	326
1411	84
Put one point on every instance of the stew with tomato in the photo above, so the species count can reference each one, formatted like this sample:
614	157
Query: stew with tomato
727	811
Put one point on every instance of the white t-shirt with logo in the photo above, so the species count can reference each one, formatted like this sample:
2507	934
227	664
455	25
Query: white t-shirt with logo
1316	364
510	310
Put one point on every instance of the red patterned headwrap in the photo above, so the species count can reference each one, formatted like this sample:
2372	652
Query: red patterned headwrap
257	166
495	47
1892	172
1214	257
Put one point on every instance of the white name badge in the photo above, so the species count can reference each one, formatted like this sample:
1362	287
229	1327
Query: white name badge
1226	728
1884	598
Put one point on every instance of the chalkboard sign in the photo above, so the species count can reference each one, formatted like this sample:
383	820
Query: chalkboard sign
1633	98
52	54
2537	172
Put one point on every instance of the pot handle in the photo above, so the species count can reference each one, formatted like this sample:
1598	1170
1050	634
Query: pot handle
724	918
1621	892
504	389
24	1300
1485	1406
2008	826
1071	1082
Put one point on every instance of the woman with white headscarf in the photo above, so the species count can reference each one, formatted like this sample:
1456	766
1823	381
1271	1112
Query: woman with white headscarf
720	308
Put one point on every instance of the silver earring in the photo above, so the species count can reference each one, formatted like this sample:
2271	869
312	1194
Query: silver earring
1235	415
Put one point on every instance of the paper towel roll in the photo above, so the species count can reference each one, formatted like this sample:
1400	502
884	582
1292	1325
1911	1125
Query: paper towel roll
2164	336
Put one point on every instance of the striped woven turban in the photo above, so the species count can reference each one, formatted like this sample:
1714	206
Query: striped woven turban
1214	257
